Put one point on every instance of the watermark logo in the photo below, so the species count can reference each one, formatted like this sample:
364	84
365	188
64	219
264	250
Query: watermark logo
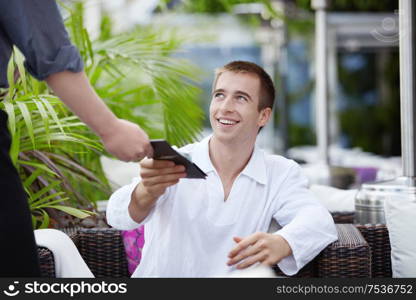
67	288
388	32
11	289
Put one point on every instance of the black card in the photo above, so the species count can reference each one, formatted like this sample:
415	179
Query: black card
163	151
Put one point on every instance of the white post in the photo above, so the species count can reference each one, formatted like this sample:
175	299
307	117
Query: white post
321	91
407	85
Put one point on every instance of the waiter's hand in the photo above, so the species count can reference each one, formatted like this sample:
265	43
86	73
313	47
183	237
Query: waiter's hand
126	141
123	139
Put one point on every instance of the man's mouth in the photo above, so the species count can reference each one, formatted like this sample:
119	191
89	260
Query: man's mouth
227	121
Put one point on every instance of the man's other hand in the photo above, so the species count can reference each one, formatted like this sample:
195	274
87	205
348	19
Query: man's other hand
264	248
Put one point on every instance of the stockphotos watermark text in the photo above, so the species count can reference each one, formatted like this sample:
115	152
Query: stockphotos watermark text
71	289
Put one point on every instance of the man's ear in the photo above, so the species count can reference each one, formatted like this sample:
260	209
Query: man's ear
265	116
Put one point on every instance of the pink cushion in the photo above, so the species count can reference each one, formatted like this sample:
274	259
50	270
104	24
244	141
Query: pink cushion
133	244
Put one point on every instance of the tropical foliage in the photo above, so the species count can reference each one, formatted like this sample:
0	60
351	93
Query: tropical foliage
56	155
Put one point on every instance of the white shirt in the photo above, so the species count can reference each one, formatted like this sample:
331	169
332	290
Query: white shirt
190	230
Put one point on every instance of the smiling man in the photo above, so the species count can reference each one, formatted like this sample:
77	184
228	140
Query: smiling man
212	227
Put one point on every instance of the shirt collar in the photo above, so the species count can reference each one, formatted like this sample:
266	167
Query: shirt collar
255	169
201	156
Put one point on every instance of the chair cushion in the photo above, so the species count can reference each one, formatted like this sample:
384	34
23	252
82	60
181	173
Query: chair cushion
133	244
400	215
334	199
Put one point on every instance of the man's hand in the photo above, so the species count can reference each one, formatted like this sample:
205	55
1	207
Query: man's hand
157	176
126	141
265	248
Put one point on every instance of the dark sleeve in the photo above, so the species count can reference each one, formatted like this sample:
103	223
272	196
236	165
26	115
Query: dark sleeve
37	29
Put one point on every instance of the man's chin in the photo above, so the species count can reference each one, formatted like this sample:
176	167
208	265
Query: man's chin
225	137
233	139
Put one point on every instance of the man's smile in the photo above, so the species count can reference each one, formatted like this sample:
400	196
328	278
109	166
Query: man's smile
227	122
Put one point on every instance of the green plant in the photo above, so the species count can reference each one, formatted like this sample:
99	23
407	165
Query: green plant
56	155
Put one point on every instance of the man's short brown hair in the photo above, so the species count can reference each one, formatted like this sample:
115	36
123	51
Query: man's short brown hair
267	91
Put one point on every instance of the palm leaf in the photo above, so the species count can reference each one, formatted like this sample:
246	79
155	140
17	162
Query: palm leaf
45	219
12	116
32	177
47	202
73	211
52	112
18	57
28	121
37	166
15	147
44	190
44	115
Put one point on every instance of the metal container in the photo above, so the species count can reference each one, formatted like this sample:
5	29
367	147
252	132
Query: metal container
369	202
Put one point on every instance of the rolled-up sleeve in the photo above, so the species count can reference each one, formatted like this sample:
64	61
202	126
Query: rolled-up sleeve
117	212
306	225
37	29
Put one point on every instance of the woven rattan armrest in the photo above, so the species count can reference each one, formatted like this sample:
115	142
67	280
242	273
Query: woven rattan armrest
103	251
377	237
46	262
348	257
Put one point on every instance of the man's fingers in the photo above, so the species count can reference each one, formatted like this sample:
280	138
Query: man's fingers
152	167
244	243
259	257
151	163
162	179
148	173
247	252
159	189
237	239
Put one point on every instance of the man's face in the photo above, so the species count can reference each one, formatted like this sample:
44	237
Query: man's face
234	114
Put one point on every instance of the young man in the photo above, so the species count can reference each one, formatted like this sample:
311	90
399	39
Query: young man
211	227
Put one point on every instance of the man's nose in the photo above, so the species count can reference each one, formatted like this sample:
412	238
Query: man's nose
227	104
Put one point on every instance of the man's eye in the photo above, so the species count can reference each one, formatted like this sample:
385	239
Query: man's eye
219	95
241	98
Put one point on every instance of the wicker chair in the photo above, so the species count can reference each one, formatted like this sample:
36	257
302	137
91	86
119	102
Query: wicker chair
377	237
103	251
